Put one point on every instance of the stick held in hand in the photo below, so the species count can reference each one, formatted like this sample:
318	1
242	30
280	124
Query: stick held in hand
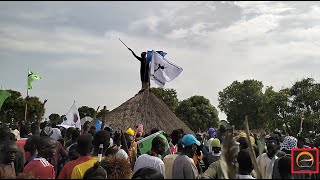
124	44
251	151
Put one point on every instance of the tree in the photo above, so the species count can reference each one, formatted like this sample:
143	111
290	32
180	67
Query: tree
86	111
36	109
275	111
294	107
13	108
168	96
240	99
55	118
198	113
305	104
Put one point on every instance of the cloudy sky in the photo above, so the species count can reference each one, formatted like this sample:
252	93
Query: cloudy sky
74	46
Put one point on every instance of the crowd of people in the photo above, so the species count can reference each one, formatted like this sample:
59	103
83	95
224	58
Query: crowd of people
45	151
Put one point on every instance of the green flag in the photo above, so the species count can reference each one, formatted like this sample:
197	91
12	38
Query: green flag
3	96
31	77
145	144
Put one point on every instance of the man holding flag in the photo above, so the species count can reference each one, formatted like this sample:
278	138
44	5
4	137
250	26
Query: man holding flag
144	69
154	65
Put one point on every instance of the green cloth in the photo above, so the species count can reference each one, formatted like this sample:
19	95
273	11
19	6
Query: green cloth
258	143
145	144
3	96
31	77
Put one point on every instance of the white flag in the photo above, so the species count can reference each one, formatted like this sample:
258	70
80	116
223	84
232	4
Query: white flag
162	70
72	118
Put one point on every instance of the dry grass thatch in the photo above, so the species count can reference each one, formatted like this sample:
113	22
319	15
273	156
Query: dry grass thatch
146	108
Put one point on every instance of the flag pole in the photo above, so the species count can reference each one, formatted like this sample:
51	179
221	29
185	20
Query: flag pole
26	108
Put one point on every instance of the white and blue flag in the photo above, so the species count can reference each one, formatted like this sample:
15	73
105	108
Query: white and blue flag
162	70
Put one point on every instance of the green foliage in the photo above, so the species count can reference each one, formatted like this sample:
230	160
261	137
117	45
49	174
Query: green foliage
86	111
285	109
305	104
275	110
13	108
291	106
168	96
241	99
198	113
36	109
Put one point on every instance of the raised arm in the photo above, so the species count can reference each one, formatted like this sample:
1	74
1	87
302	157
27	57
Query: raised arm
139	58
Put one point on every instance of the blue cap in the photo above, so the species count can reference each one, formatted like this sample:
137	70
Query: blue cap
189	139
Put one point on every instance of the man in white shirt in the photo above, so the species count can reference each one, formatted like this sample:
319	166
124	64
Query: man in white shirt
266	160
151	159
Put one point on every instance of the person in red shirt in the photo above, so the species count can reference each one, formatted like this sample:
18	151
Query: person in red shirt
84	143
40	167
30	148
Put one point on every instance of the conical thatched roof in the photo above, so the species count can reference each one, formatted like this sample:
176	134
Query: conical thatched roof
146	108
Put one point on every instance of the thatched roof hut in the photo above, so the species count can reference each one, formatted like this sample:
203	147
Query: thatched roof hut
146	108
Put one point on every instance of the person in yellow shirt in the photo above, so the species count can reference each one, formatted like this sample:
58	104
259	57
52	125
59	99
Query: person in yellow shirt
101	137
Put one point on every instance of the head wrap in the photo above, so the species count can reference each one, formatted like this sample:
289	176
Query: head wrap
289	143
212	133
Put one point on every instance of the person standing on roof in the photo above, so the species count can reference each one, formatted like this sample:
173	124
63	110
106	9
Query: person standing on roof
144	69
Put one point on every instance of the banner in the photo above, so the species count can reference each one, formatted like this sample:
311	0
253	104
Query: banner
145	144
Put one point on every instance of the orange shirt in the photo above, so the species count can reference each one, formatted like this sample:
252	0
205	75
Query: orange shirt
67	168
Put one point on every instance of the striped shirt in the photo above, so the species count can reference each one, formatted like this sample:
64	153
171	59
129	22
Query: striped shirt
40	168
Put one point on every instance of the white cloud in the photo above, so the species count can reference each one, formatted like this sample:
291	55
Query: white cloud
178	33
264	7
59	40
150	23
248	29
